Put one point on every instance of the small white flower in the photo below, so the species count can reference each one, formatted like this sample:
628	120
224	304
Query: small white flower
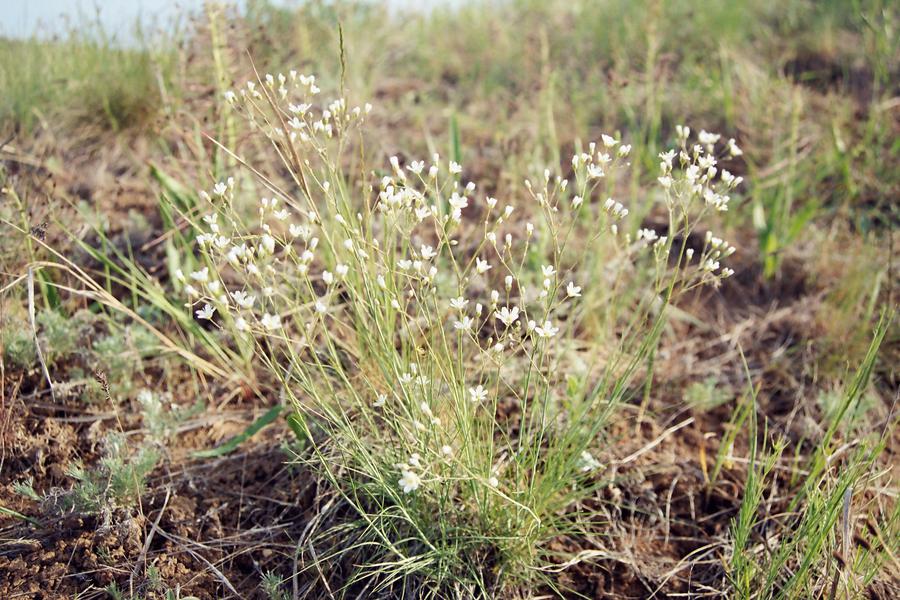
409	481
576	201
241	324
608	141
267	243
595	171
220	188
548	270
708	139
507	316
206	312
455	168
380	401
572	290
546	330
428	252
342	270
426	410
201	276
270	322
493	482
588	463
459	303
458	202
478	394
327	277
482	266
446	450
463	325
711	265
321	307
242	299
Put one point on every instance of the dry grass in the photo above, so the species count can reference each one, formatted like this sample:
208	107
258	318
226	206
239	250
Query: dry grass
739	434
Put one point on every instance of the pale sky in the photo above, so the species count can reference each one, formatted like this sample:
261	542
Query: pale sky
22	18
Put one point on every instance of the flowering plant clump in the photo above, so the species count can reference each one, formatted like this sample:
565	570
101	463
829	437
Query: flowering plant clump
426	332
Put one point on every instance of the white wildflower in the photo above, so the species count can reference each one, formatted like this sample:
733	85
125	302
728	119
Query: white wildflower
270	322
587	462
507	316
478	394
242	299
428	252
409	482
463	325
206	312
459	303
201	276
546	330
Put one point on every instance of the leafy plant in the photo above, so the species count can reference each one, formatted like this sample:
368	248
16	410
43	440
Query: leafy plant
117	481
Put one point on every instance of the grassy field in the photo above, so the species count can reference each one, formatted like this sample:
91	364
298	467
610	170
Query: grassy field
522	299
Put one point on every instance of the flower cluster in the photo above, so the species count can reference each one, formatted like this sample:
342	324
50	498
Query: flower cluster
406	316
